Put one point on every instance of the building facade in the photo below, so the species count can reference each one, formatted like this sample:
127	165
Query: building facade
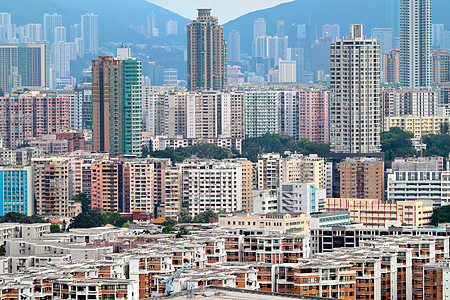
16	190
207	53
117	101
23	65
51	187
415	44
355	94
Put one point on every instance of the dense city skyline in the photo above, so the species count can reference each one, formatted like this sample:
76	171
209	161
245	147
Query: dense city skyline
297	151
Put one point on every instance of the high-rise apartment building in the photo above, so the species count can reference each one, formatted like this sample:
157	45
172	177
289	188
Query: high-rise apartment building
289	114
16	190
82	176
302	169
132	106
207	53
259	28
438	32
415	103
51	187
210	185
170	76
362	178
385	37
24	65
234	46
171	27
269	171
171	206
313	115
60	61
89	32
261	112
81	107
247	183
441	66
51	21
355	94
60	34
32	115
117	100
138	186
391	66
107	186
415	44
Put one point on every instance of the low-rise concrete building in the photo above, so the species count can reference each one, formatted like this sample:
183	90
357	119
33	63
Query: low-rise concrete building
294	223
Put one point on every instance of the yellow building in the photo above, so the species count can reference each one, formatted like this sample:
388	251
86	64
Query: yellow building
293	223
303	169
247	183
377	214
172	193
416	125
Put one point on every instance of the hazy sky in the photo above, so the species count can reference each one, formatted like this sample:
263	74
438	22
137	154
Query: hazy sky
225	10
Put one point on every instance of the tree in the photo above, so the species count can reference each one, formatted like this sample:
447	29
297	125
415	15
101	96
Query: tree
87	220
444	128
396	143
184	216
210	151
14	217
168	229
127	224
170	222
111	218
54	228
441	215
205	217
85	202
437	144
267	143
145	151
181	232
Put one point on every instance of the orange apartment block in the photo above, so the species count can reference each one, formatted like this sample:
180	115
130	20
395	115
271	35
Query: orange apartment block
107	186
422	250
434	279
232	247
145	267
315	277
362	178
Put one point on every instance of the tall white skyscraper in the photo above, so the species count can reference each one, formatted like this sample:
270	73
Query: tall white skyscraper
51	21
438	31
234	46
354	109
385	37
171	27
60	34
33	32
259	28
415	44
89	32
61	60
